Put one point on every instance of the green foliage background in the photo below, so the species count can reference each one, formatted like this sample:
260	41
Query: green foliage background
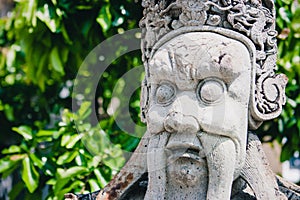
42	45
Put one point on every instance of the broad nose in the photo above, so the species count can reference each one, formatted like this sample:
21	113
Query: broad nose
177	122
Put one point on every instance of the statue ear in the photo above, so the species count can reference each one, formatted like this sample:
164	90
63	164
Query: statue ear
144	100
268	98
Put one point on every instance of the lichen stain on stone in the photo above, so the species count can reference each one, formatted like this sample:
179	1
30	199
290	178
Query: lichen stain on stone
113	193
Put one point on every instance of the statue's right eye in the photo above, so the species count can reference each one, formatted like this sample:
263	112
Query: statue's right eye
165	93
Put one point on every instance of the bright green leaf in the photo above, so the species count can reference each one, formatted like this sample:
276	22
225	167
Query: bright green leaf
29	175
25	131
94	185
12	149
9	112
284	14
71	172
94	162
65	139
36	161
60	183
51	182
45	16
73	140
10	58
101	180
66	157
6	164
104	18
56	61
30	15
41	133
66	37
85	108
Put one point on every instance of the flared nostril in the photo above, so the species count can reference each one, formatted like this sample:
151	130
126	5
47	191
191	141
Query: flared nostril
177	122
173	114
172	122
169	128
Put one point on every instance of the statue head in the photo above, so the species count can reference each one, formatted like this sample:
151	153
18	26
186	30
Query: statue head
199	98
250	22
209	78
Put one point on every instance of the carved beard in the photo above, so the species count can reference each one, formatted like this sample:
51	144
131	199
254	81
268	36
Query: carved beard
187	172
156	164
179	173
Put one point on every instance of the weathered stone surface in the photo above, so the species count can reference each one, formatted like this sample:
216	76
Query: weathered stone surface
209	80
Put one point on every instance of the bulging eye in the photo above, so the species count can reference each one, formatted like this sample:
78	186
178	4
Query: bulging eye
211	90
165	93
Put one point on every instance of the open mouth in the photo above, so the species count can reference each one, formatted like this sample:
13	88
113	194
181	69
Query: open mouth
192	151
184	150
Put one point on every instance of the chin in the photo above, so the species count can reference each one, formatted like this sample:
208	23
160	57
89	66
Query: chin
187	169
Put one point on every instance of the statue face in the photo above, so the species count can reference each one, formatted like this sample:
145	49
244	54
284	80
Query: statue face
200	89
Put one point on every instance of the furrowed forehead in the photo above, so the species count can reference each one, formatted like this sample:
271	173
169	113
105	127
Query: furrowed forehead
199	55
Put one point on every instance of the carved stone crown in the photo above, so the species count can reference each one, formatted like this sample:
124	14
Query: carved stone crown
253	19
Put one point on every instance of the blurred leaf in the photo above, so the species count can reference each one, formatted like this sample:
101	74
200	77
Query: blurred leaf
84	110
29	175
94	185
67	39
285	153
104	18
101	180
51	182
44	15
42	133
66	157
25	131
12	149
71	172
65	139
73	140
284	14
6	164
56	61
94	162
16	190
36	161
287	1
296	20
9	112
64	176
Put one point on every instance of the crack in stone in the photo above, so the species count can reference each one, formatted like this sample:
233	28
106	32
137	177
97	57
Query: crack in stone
221	57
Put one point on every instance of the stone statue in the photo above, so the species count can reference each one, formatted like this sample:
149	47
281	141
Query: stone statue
209	81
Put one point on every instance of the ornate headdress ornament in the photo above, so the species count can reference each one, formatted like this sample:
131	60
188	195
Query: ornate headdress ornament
252	18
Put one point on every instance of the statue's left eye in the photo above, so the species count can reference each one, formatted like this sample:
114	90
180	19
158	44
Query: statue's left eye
165	93
211	90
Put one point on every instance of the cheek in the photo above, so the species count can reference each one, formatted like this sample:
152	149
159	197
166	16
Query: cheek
236	119
228	119
155	119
